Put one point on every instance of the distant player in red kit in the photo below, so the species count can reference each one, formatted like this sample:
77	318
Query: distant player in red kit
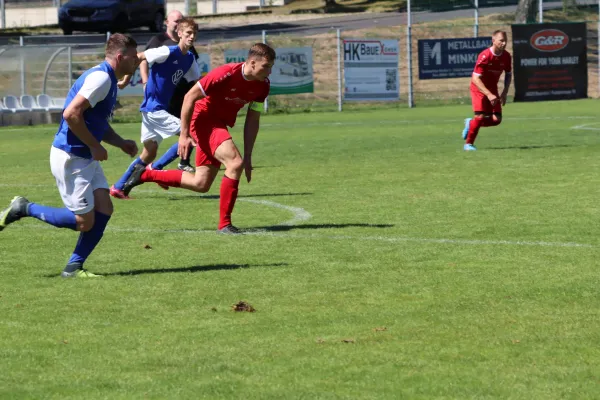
487	103
209	107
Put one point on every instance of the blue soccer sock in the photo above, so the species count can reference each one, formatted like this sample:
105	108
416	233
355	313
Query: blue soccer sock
58	217
121	182
88	240
167	158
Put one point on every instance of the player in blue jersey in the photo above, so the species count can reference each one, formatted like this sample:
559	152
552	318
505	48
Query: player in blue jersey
168	65
76	154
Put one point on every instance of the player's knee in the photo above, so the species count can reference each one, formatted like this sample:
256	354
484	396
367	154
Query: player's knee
201	185
106	209
85	222
236	165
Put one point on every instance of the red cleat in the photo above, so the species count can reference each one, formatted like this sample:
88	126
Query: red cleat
149	168
118	194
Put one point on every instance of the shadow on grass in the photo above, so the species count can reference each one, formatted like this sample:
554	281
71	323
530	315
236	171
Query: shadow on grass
196	268
533	147
285	228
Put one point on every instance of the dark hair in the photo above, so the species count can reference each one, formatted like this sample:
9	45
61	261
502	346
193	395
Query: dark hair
499	31
187	21
119	43
262	50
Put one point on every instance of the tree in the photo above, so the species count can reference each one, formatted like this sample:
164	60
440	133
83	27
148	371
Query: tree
330	5
526	11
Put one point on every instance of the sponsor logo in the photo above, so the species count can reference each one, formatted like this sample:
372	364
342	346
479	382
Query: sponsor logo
177	76
175	62
549	40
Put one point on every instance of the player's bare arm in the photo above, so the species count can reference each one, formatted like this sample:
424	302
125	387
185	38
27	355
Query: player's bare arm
73	115
251	127
144	70
507	82
185	141
122	84
476	79
113	138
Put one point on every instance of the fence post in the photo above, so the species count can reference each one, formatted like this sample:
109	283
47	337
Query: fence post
70	72
22	64
214	4
541	11
411	102
3	14
476	27
107	35
264	40
339	68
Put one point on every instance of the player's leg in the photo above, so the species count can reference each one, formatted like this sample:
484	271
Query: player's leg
184	162
482	109
166	125
89	239
228	154
147	134
62	165
167	158
496	119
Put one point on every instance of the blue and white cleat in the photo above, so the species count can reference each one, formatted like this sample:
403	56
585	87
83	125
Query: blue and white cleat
469	147
466	130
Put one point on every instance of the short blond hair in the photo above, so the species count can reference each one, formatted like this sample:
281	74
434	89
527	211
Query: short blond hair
187	21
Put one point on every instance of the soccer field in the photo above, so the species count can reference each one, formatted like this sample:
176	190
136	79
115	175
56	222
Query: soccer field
382	261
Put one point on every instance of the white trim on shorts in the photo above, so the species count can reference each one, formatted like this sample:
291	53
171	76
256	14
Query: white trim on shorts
77	178
159	125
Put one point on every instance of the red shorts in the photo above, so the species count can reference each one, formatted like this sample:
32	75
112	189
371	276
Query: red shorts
482	104
209	134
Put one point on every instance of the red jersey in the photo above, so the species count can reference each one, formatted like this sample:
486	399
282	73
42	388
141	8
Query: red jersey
489	67
227	90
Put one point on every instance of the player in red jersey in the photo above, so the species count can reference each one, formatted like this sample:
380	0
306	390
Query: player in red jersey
208	109
487	103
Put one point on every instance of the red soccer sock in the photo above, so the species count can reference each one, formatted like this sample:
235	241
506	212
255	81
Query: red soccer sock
229	192
474	126
169	177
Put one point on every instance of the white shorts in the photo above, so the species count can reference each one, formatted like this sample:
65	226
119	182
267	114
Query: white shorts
159	125
77	178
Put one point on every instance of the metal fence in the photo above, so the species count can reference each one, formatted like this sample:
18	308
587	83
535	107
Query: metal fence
51	69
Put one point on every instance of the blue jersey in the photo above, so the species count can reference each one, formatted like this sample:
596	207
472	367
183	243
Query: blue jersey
99	86
167	66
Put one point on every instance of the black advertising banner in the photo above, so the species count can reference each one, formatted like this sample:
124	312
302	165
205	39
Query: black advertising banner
550	61
450	58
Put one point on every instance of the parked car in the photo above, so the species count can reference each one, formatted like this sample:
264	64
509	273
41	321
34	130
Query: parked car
111	15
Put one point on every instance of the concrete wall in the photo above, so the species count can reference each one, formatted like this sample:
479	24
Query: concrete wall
38	16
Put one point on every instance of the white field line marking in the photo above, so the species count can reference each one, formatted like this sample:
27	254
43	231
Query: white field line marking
300	215
381	122
587	127
266	233
418	121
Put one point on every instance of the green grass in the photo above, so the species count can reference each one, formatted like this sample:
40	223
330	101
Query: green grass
482	268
